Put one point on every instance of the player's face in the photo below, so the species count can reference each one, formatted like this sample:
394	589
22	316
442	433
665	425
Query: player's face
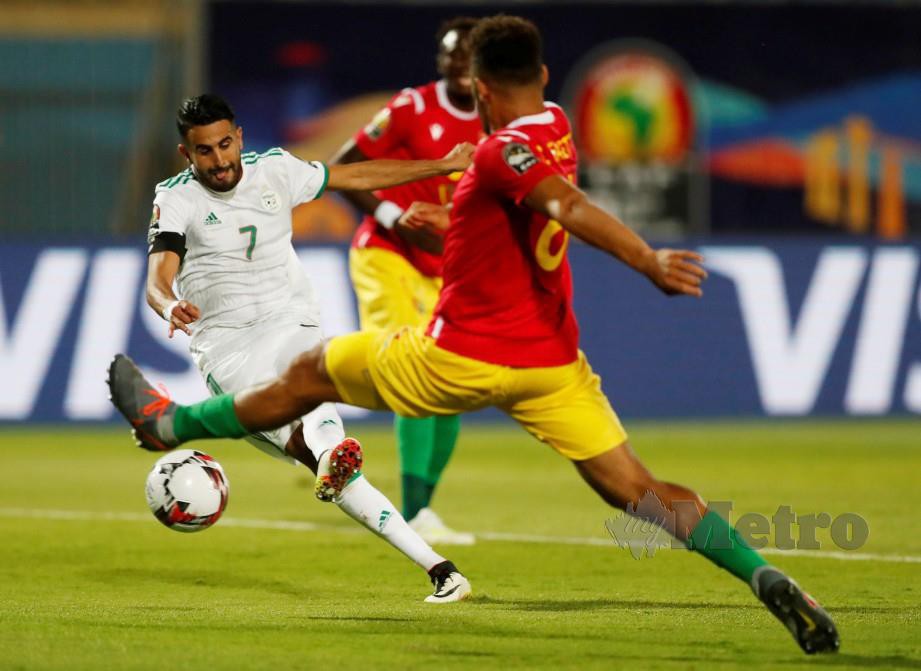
214	151
454	64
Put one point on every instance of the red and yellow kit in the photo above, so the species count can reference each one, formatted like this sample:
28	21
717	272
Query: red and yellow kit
507	293
503	333
418	123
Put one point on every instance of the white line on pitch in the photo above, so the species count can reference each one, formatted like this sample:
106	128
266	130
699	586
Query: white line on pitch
290	525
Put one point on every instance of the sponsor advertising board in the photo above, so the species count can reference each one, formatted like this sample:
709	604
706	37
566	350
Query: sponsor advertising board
784	329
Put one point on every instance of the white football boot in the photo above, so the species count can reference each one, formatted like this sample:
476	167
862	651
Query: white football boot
450	584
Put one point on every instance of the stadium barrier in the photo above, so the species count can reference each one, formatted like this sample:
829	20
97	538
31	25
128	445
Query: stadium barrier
791	328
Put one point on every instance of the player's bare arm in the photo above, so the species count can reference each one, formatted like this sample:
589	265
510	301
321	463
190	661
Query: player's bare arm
349	153
384	173
674	271
162	268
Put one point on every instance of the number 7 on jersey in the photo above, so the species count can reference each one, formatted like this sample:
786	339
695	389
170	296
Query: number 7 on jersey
252	240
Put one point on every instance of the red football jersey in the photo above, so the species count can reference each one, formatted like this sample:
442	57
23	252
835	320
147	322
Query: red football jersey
507	295
419	123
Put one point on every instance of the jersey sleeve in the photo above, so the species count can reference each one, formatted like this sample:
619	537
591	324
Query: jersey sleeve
306	179
389	128
168	223
510	167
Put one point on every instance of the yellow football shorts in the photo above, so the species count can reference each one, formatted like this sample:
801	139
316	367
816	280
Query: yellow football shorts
406	372
391	292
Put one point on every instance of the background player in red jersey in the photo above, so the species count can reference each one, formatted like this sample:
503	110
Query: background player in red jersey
504	333
395	260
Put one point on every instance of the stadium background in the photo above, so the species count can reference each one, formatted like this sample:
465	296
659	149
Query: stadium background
780	138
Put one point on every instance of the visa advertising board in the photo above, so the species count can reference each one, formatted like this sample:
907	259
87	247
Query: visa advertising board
784	329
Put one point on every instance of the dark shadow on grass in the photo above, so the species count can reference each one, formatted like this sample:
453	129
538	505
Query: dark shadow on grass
348	618
552	605
845	660
441	651
187	578
858	610
234	626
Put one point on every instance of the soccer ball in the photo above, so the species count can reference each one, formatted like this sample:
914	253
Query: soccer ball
187	490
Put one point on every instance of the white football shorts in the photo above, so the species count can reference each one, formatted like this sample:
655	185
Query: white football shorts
233	359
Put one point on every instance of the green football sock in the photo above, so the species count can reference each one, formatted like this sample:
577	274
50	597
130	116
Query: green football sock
719	542
446	429
415	438
214	418
417	494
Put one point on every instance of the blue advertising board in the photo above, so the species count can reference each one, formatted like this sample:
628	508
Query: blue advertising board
784	328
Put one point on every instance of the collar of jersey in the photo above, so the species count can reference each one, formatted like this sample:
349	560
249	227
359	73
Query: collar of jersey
541	119
441	92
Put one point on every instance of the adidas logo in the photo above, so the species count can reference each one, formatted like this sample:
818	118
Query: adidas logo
382	522
212	219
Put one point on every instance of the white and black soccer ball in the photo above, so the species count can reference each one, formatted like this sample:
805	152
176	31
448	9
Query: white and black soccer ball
187	490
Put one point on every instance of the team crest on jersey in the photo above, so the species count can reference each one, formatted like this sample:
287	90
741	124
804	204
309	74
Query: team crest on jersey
378	124
155	218
519	157
270	201
154	230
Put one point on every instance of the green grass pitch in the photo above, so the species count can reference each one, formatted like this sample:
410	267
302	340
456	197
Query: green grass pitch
81	588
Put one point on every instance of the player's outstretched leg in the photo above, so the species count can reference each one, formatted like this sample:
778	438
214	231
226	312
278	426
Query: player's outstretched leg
161	424
365	504
621	480
149	410
370	508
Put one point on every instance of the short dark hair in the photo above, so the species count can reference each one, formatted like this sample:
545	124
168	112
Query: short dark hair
202	110
462	24
507	50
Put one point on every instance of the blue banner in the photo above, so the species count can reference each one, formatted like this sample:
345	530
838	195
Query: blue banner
784	328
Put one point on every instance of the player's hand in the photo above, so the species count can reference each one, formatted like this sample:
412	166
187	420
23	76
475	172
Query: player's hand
426	217
428	240
677	272
459	158
183	314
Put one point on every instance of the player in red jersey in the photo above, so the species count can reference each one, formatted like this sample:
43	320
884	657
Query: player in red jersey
395	260
504	332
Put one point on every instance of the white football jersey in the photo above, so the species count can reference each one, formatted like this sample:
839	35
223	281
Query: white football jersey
239	266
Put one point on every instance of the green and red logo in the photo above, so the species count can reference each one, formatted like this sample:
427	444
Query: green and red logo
632	106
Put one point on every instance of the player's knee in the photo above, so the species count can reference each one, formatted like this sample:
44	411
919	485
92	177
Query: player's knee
622	477
304	372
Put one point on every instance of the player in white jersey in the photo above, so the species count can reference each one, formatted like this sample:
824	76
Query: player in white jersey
221	230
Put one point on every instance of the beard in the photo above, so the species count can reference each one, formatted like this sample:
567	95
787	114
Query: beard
223	178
